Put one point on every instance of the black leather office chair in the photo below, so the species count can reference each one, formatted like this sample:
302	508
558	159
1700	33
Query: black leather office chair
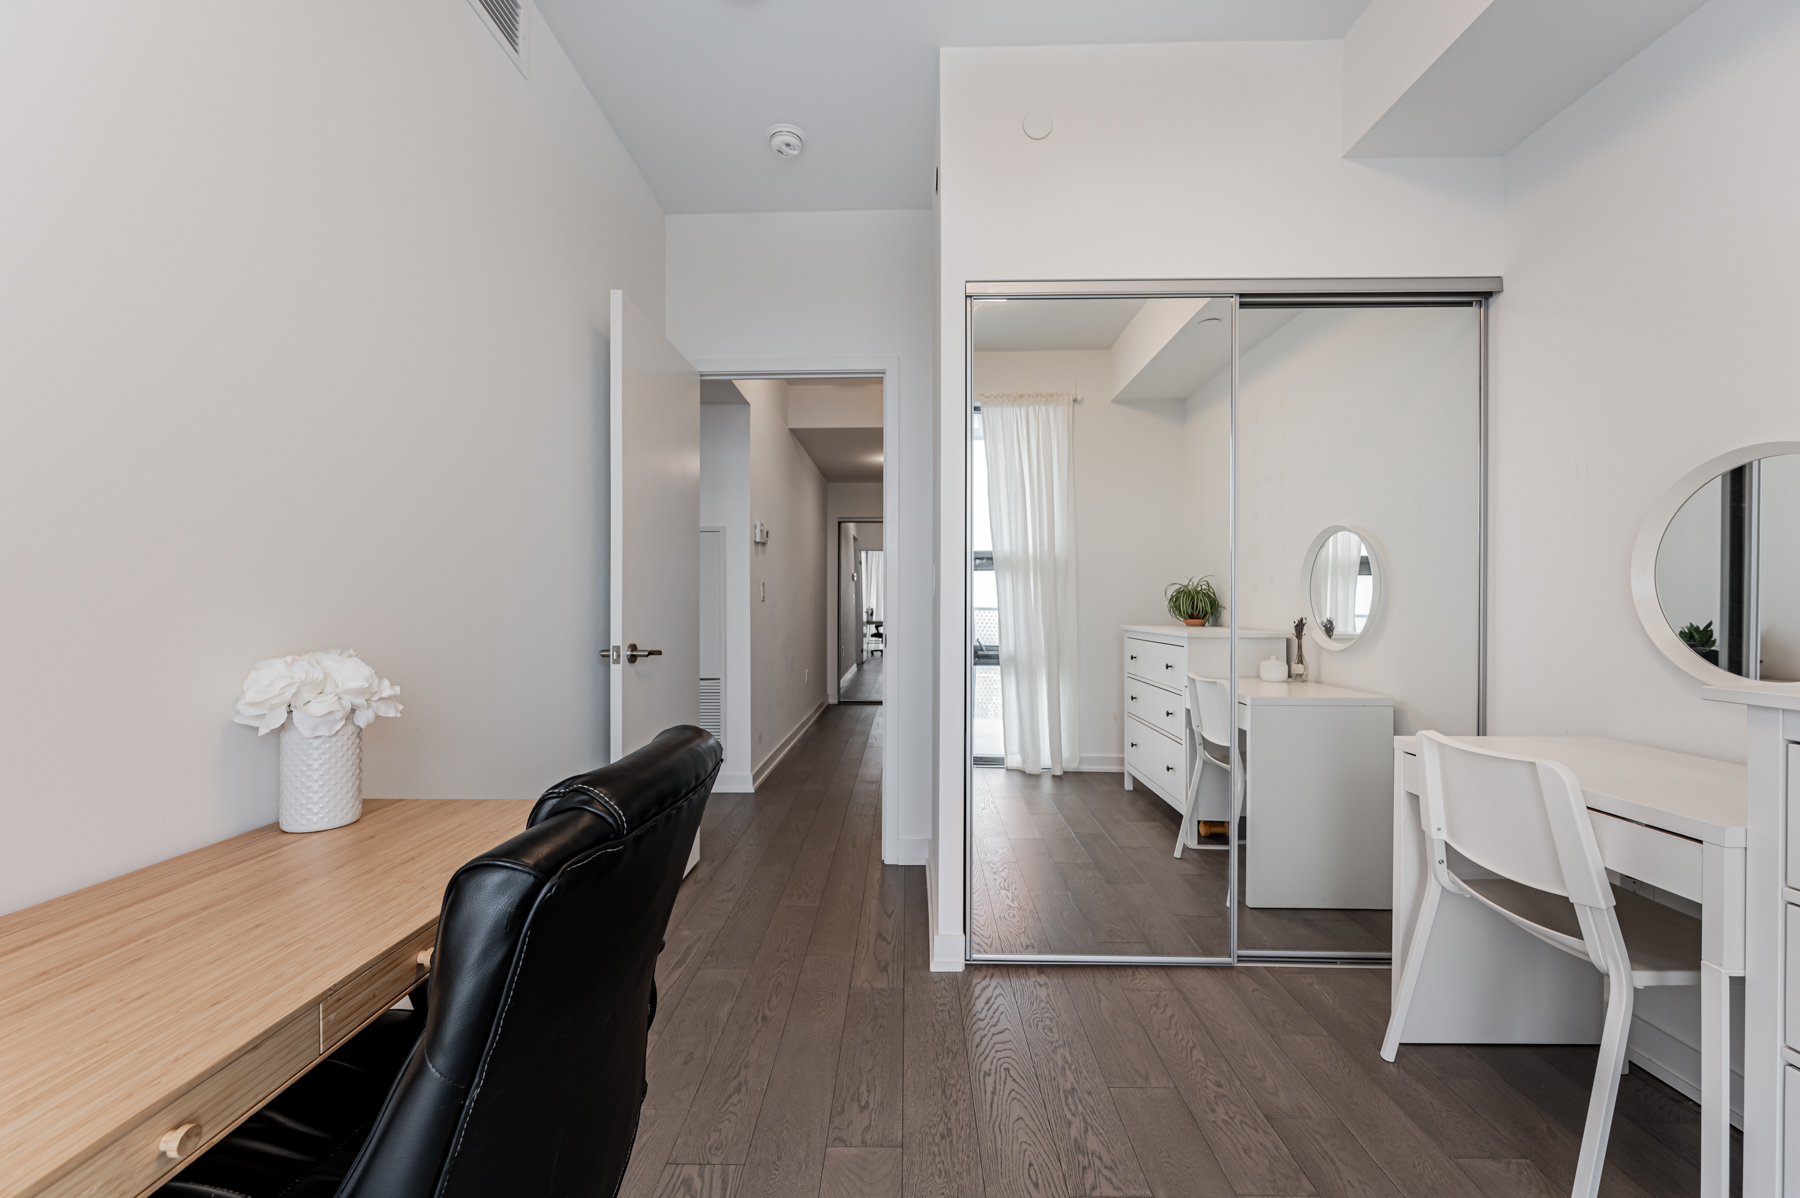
529	1075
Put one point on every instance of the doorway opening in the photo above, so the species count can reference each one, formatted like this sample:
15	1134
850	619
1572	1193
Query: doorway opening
861	611
785	462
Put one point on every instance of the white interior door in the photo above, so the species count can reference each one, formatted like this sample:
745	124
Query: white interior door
655	532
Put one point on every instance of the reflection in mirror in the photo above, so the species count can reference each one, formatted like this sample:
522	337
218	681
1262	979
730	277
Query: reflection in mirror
1342	587
1094	487
1728	570
1329	392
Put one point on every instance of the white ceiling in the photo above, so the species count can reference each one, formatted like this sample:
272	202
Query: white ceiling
843	455
1031	324
692	85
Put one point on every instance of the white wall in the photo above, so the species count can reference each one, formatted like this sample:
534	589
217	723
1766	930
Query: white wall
725	503
1645	327
842	290
303	344
846	501
1129	465
1211	160
1367	418
787	580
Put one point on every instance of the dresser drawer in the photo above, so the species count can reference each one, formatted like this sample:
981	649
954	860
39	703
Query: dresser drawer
373	990
1154	757
1157	707
1165	665
1793	815
132	1162
1790	1032
1790	1132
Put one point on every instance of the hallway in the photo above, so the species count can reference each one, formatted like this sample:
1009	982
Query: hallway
864	685
802	1047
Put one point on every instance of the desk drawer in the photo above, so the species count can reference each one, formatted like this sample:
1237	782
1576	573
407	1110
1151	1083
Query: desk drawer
1154	758
132	1163
373	990
1663	859
1157	707
1790	1132
1165	665
1793	815
1790	997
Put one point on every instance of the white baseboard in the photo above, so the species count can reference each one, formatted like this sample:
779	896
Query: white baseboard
845	680
787	742
947	954
1663	1055
905	852
1101	763
733	784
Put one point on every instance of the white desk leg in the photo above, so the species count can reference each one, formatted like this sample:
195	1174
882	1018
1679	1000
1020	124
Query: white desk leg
1715	1081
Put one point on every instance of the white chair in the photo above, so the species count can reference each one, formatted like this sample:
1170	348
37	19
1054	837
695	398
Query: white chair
1526	821
1208	733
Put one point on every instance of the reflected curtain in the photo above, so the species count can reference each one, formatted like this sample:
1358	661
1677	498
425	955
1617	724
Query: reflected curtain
874	585
1343	558
1031	504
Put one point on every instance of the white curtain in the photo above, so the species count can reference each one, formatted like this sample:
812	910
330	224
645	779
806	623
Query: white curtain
1031	504
1335	592
874	586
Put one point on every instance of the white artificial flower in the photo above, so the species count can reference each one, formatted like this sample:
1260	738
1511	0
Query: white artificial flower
322	689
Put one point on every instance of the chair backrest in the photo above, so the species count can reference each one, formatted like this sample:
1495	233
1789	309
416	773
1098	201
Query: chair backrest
1210	701
529	1076
1522	817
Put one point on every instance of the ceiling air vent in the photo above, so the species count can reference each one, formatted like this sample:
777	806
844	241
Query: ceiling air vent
509	21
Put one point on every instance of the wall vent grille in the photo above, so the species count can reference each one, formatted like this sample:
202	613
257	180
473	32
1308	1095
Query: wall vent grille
509	22
712	706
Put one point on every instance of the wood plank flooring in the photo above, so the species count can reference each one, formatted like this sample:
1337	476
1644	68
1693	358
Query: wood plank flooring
865	685
802	1048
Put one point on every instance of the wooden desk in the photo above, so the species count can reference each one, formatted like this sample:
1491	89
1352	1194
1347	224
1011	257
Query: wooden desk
194	990
1674	821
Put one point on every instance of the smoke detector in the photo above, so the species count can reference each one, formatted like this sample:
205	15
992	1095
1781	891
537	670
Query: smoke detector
786	141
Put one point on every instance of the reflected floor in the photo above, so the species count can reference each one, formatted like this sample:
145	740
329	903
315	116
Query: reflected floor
865	682
1080	865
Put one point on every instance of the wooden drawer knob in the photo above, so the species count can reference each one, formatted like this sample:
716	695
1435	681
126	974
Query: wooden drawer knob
424	958
178	1143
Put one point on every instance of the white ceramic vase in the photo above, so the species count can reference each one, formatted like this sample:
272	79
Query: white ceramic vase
321	779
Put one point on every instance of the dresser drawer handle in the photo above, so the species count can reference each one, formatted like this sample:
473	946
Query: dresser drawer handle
179	1142
1168	769
1134	744
1168	713
1134	657
1168	665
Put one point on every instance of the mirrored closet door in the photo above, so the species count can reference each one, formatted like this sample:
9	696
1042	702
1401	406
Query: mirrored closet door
1358	536
1224	548
1100	503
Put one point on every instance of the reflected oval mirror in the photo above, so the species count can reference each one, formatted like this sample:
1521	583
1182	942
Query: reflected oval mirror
1726	573
1344	586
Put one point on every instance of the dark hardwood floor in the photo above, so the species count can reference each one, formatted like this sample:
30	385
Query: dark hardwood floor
1077	864
865	684
802	1047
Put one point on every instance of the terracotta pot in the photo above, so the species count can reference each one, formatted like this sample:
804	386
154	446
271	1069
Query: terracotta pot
1195	623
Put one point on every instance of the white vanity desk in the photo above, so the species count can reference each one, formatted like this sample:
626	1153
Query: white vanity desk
1674	821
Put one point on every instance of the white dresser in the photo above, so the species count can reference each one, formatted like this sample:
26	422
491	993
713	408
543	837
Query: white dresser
1771	929
1157	660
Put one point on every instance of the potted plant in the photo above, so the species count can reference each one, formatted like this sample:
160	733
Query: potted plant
1699	638
332	696
1195	601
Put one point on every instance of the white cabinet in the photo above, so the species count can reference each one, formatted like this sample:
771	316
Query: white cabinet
1157	659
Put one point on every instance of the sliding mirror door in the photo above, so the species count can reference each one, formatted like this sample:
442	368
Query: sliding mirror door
1358	543
1100	535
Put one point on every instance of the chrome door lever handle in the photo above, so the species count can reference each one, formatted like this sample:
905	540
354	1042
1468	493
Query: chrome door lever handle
632	653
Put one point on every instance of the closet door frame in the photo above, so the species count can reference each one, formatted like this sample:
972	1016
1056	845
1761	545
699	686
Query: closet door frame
1475	291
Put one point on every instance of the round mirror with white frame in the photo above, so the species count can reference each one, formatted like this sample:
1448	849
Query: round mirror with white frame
1715	574
1344	586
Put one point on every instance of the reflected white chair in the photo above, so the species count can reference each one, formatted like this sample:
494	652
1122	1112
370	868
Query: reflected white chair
1524	823
1209	757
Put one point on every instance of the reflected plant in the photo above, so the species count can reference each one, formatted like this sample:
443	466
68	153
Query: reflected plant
1328	626
1698	636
